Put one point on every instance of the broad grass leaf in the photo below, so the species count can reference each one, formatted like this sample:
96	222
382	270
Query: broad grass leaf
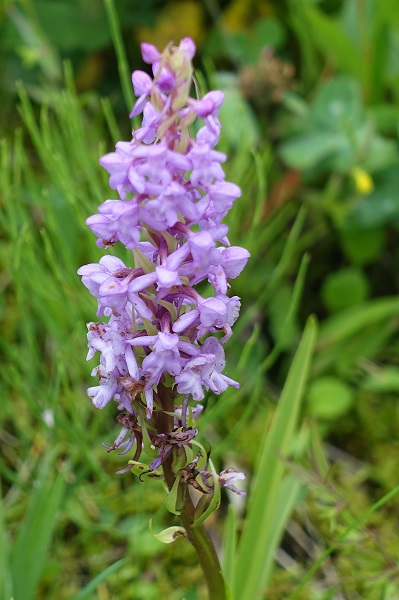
273	495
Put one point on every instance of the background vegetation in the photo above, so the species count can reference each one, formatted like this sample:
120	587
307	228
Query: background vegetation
310	124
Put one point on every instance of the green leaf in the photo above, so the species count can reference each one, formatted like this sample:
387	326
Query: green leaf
329	398
356	332
149	327
382	379
295	104
169	535
364	246
318	453
267	32
169	307
379	208
142	261
148	447
385	116
338	104
328	36
273	495
308	150
36	48
381	153
214	502
142	471
344	288
172	499
338	328
239	122
71	25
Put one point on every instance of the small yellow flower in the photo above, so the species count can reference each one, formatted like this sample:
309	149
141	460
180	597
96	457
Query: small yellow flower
363	181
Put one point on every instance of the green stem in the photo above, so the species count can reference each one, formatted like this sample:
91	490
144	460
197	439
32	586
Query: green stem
206	552
198	536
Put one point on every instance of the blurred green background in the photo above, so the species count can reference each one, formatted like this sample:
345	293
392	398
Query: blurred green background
310	125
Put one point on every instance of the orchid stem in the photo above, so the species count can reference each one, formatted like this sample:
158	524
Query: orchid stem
201	541
198	536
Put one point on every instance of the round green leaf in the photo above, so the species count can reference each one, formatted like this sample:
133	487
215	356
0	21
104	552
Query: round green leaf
344	288
364	246
329	398
338	103
306	151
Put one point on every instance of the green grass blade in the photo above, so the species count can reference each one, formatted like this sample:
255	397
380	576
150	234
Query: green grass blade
291	314
287	257
110	118
332	41
260	162
5	577
29	552
124	70
289	495
100	578
356	318
266	517
354	333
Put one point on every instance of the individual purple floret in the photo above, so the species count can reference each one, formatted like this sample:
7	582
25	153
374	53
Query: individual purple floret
161	338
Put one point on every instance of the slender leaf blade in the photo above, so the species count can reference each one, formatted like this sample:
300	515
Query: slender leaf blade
5	577
31	546
259	539
87	591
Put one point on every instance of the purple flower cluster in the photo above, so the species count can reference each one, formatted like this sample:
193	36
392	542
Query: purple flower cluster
173	197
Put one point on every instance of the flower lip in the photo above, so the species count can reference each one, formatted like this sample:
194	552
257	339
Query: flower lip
149	53
187	47
209	105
